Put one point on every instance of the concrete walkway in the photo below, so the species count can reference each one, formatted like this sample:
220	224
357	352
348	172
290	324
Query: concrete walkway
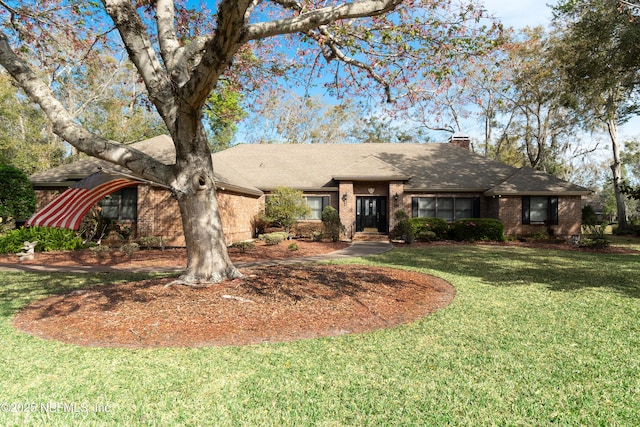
355	250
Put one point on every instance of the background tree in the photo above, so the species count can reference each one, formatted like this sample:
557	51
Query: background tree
181	57
112	103
288	118
24	138
533	108
222	113
17	198
602	59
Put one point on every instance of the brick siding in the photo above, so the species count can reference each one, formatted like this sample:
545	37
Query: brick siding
569	217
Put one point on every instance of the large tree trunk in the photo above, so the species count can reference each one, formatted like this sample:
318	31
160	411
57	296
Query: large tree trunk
616	168
207	257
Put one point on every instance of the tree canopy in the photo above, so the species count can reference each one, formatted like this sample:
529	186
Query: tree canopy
601	45
388	50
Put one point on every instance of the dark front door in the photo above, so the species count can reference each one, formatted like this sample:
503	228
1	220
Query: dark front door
371	214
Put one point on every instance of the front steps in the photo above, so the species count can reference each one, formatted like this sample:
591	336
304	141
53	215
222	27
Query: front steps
364	236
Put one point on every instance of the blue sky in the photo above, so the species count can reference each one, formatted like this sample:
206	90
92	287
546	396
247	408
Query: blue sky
521	13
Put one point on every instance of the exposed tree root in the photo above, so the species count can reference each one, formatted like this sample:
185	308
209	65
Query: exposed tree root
189	279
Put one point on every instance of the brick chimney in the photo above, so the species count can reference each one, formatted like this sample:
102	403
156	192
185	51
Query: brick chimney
460	140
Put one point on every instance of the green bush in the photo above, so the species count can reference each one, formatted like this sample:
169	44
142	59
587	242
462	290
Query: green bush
152	242
589	216
284	206
332	225
426	236
274	238
129	248
403	229
17	198
438	226
473	229
294	247
49	239
306	230
244	246
594	242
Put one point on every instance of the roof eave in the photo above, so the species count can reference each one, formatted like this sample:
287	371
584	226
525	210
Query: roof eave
492	193
304	189
371	178
442	190
225	186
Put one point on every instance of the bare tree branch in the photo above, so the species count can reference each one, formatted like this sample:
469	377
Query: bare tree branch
66	127
323	16
165	17
332	44
143	55
219	51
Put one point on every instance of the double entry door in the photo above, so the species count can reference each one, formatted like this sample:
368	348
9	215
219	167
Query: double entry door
371	214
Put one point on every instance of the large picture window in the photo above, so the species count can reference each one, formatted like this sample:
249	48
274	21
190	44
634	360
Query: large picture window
540	210
447	208
121	205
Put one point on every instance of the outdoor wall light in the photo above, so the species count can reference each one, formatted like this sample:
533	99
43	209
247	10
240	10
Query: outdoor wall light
395	197
344	198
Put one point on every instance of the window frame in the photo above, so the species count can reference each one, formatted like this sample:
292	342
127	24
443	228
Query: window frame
475	206
325	201
127	198
551	217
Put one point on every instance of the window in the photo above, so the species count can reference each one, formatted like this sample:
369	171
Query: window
448	208
426	207
540	210
121	205
317	205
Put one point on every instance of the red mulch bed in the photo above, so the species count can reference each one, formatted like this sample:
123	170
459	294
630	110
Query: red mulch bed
269	304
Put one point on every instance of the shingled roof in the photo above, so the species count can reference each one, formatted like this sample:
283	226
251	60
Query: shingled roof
255	168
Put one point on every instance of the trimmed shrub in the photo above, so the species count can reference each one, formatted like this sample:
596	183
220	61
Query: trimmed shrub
306	230
243	246
332	225
594	242
403	229
293	247
473	229
49	239
151	242
438	226
128	249
274	238
426	236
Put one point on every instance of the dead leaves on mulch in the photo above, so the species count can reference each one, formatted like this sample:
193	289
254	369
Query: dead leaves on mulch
270	304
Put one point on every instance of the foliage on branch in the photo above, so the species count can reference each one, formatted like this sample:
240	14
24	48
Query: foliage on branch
385	50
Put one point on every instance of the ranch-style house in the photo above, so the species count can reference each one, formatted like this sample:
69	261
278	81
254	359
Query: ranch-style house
366	183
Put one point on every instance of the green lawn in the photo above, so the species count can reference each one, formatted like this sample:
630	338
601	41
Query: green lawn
533	337
631	242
